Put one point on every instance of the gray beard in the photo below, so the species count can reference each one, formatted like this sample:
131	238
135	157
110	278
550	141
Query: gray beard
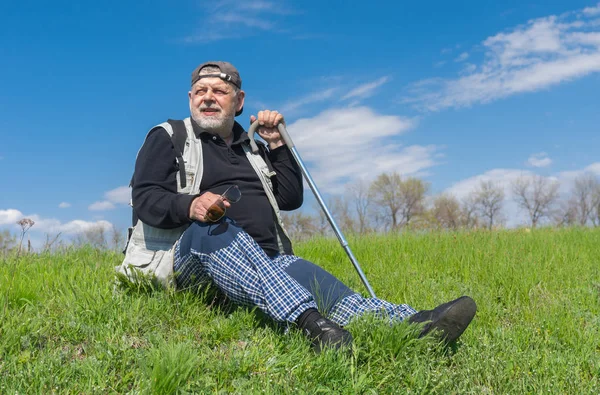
221	127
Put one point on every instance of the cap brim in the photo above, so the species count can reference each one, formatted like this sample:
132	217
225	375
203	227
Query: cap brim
239	112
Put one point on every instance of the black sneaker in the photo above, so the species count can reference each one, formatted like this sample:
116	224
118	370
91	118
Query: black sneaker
449	319
325	333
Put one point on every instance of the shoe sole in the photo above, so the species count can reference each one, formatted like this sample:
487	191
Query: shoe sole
455	319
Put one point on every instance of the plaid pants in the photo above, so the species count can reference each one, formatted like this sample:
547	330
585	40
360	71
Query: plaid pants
222	253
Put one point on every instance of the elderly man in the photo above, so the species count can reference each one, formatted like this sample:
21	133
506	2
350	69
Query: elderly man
207	211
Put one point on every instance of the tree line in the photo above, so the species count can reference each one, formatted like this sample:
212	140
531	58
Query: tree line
392	203
95	236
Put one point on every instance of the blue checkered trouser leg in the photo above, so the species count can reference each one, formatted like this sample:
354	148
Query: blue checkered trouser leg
355	305
336	300
226	255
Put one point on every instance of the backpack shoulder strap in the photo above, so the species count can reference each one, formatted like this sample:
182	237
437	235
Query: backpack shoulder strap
265	174
177	131
178	137
259	163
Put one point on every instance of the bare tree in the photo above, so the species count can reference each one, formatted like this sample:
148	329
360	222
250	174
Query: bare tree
117	238
299	226
399	200
446	211
386	197
566	214
537	195
8	242
584	197
469	211
596	207
322	226
340	209
360	199
412	191
489	198
94	236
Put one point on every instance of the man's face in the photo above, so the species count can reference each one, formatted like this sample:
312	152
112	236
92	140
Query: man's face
213	103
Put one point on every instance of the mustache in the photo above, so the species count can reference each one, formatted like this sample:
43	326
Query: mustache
214	108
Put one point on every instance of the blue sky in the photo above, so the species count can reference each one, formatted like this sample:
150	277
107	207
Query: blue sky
450	92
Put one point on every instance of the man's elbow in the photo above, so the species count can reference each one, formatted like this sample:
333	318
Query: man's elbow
293	204
146	211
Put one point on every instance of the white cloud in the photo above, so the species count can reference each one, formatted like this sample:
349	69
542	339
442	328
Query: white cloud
567	178
462	57
539	160
64	205
10	216
231	19
593	168
327	94
570	176
500	177
101	206
244	20
314	97
268	7
591	11
447	50
309	36
542	53
341	145
469	68
120	195
78	226
366	90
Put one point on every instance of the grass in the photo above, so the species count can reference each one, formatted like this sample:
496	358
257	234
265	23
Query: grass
64	329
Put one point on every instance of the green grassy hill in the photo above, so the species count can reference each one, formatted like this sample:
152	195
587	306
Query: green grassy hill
64	329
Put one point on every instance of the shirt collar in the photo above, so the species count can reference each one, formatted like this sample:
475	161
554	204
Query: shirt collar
239	134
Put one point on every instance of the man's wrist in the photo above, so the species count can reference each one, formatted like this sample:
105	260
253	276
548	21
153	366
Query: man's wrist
191	208
275	144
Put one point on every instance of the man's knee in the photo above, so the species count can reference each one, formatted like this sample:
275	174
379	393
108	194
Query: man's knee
326	289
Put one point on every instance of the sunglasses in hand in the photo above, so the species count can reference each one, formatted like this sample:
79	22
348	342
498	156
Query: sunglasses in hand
216	211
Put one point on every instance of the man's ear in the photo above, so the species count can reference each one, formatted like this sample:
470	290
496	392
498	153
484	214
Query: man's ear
241	95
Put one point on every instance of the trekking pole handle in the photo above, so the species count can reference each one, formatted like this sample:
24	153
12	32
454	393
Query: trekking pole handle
282	131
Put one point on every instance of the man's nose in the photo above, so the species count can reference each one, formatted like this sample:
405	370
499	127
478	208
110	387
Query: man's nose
209	95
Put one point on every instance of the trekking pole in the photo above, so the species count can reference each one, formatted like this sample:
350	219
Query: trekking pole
313	187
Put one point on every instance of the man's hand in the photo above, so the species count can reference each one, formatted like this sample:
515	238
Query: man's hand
200	206
268	121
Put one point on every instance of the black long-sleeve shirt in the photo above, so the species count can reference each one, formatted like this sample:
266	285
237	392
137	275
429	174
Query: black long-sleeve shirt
157	203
